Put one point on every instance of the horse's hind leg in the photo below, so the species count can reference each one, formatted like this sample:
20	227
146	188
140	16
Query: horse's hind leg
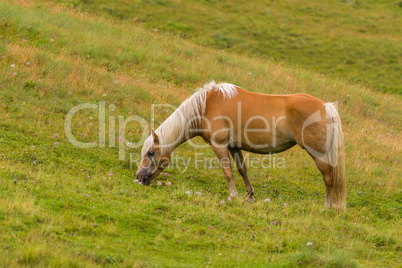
326	171
241	166
224	158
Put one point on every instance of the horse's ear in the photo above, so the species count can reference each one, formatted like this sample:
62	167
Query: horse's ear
156	138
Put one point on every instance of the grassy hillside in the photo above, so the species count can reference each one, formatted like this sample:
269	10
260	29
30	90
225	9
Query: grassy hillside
65	206
360	40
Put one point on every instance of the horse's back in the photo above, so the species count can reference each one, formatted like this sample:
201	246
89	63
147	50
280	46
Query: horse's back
274	121
295	105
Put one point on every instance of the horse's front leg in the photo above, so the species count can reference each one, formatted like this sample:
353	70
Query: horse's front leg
241	166
224	158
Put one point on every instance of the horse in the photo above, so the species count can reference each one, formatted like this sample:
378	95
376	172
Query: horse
231	119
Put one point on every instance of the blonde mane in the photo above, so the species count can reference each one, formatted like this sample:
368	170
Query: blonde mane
190	110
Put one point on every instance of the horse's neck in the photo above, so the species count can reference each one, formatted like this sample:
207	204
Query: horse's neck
173	143
181	126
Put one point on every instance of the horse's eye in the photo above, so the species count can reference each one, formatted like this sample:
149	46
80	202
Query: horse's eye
151	153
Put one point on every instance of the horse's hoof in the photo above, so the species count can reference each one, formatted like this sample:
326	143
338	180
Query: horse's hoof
250	199
233	195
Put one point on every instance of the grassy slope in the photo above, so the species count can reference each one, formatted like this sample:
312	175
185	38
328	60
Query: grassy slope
360	40
49	191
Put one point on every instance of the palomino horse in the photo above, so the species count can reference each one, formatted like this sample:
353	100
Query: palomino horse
232	119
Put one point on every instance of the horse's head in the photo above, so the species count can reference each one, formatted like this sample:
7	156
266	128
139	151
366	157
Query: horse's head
153	160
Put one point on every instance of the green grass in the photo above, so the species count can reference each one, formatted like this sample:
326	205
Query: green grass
360	40
50	189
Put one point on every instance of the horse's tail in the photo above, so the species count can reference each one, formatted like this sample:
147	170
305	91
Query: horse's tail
336	157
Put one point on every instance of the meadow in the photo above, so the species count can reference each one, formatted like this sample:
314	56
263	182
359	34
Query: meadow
61	205
357	40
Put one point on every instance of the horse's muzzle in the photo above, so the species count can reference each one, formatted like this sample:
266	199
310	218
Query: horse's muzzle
143	177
